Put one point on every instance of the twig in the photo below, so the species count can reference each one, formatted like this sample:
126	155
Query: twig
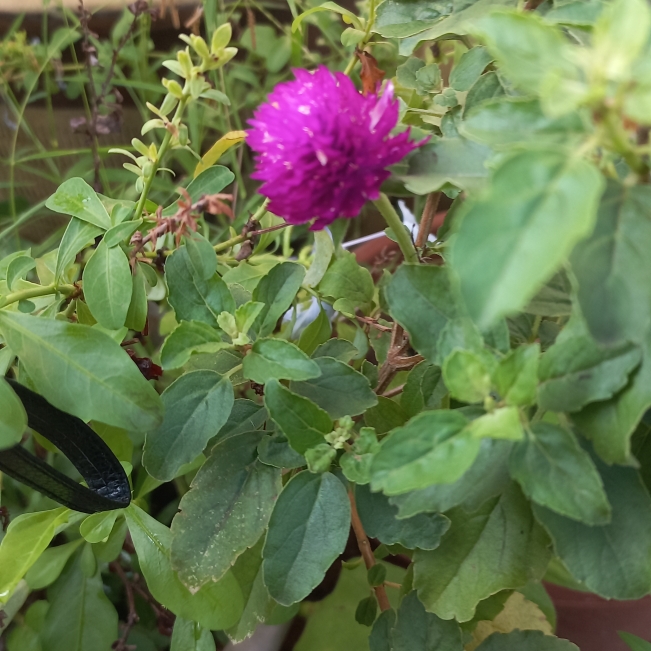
396	361
429	212
373	323
132	617
366	552
394	392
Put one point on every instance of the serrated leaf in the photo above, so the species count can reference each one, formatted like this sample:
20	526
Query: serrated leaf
431	448
549	460
422	300
612	560
576	371
415	628
497	547
513	239
379	517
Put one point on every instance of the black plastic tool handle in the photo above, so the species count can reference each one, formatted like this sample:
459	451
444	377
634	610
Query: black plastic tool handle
108	485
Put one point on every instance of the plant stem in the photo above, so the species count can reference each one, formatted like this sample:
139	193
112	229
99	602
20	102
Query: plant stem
161	152
622	145
395	224
429	212
367	35
366	551
43	290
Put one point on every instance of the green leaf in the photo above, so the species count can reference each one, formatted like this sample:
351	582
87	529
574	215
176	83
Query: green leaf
75	197
385	416
379	517
516	376
422	300
188	338
526	49
77	236
610	423
18	269
27	537
308	530
424	389
248	274
328	6
323	251
576	371
412	16
108	286
487	477
275	451
277	290
210	181
196	406
459	23
339	389
301	421
506	121
192	297
501	423
634	642
201	254
612	560
498	547
120	232
225	512
340	349
514	238
457	161
97	527
278	359
101	381
366	610
47	569
13	418
460	333
316	333
620	36
80	616
467	375
137	313
525	641
190	636
380	638
431	448
215	606
549	460
320	457
346	279
415	628
406	72
248	573
611	267
469	68
245	416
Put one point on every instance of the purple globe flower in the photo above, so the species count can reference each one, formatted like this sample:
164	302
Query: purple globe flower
322	148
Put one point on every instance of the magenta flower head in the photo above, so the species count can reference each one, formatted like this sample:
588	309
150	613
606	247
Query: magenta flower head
322	148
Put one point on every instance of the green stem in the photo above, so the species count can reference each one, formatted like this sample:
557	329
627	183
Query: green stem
43	290
395	224
622	145
367	36
238	239
161	152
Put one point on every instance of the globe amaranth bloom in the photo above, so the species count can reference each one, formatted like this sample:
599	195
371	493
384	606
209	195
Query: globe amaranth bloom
322	148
